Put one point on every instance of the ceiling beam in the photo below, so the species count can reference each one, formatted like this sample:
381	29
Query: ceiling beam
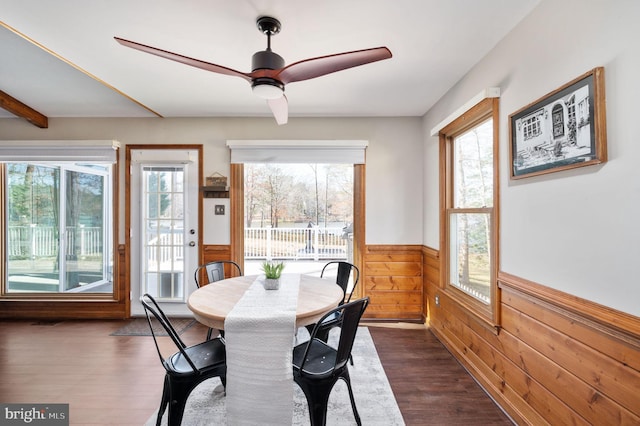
21	110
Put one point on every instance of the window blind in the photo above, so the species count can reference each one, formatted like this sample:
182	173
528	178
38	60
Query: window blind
93	151
298	151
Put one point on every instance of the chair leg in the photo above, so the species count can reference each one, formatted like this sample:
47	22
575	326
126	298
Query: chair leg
178	395
164	401
347	380
317	394
209	332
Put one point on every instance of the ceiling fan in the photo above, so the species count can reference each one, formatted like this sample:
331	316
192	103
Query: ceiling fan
269	75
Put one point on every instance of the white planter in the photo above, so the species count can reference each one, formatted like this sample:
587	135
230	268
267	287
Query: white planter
271	283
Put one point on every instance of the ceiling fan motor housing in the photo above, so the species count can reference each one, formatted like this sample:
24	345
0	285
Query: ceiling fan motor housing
266	59
267	87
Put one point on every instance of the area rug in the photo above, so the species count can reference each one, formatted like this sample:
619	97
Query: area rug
140	327
375	401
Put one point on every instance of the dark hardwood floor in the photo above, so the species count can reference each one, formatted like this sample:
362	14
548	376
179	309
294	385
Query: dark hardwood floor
429	384
118	379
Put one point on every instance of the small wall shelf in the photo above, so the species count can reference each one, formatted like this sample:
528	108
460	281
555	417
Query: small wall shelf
214	192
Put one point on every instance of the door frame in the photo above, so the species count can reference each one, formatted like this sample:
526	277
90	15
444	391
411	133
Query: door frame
127	209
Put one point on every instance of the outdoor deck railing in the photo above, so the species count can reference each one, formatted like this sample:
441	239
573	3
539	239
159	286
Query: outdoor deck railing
42	241
296	243
260	243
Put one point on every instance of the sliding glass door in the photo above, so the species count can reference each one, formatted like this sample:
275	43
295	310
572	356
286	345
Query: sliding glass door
58	228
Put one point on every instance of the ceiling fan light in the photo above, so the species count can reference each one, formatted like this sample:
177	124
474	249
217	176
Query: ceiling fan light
268	89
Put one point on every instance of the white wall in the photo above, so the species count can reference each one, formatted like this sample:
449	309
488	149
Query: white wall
394	166
576	231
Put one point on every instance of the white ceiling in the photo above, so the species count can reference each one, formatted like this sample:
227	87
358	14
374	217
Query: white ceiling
60	58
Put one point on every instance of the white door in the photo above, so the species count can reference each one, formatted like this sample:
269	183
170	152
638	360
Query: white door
164	232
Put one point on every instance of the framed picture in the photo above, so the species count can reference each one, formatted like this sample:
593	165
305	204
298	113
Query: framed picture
562	130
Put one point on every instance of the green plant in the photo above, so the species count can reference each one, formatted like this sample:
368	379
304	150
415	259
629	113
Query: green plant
272	270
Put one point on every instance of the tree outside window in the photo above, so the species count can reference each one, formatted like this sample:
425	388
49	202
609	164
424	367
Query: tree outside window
469	184
470	217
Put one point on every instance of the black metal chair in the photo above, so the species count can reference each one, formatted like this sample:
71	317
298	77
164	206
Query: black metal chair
318	366
186	368
342	279
215	272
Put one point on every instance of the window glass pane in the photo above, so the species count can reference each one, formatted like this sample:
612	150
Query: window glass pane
177	205
163	203
473	167
59	228
84	208
33	228
178	182
470	263
298	211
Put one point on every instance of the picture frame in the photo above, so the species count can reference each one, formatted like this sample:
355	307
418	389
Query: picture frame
562	130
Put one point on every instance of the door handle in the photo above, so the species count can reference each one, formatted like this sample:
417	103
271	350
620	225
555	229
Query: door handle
192	243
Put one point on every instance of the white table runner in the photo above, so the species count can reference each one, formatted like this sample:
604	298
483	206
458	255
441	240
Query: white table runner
259	333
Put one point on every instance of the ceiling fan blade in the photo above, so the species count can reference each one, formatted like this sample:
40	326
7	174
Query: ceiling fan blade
280	109
183	59
323	65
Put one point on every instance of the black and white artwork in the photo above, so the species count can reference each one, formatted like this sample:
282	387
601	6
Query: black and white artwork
561	130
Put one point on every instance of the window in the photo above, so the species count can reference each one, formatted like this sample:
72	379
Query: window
298	211
531	127
469	145
304	151
56	217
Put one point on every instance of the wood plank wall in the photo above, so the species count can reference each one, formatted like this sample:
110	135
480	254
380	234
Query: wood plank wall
557	359
392	278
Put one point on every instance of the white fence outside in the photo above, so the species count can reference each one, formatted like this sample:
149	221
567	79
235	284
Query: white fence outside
165	248
296	243
42	241
260	243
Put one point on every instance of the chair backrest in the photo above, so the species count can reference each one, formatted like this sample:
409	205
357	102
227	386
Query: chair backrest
152	309
215	270
342	276
350	314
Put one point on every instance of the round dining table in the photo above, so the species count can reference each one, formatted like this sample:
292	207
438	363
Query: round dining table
212	303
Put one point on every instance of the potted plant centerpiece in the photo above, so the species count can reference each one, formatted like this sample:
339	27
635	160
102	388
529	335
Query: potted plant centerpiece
272	271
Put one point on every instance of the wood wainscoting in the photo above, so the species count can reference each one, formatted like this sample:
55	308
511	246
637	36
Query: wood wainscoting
61	306
557	359
212	253
392	278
